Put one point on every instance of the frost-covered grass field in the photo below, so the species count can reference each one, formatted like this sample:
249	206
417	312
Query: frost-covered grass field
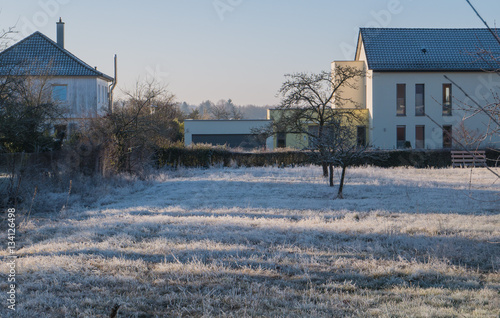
267	242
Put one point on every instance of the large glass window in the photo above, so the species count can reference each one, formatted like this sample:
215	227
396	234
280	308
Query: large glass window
420	137
60	93
401	100
447	136
401	136
447	100
419	100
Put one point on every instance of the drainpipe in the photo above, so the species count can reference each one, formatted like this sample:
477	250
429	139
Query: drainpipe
112	87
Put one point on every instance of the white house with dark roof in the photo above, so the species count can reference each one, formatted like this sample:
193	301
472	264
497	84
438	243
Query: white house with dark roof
413	83
81	89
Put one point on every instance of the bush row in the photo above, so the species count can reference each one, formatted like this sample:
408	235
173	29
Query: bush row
179	156
219	156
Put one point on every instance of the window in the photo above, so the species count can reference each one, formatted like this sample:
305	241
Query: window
281	140
361	136
401	136
60	93
447	136
419	100
401	100
419	137
446	99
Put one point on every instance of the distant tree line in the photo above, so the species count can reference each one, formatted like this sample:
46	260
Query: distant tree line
223	109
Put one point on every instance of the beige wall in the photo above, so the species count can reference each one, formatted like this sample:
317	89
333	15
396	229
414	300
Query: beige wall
356	93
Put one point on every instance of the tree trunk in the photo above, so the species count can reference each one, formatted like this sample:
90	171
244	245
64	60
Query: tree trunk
325	169
330	166
341	185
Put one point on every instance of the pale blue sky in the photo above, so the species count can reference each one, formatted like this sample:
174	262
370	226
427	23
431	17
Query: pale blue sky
220	49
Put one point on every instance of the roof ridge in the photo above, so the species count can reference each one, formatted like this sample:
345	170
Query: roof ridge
71	55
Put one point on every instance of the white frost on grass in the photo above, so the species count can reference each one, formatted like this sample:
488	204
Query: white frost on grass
303	188
267	242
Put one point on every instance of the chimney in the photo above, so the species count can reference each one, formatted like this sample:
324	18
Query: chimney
60	33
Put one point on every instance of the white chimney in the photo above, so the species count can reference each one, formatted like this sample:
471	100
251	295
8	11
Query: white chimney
60	33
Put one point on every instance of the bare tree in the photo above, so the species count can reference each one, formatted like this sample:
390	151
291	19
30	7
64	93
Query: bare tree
307	102
340	146
225	109
471	139
148	118
6	36
27	111
492	109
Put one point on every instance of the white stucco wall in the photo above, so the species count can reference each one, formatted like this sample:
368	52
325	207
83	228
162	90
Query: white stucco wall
383	110
223	127
82	96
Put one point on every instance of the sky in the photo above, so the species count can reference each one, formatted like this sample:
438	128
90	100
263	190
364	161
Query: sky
221	49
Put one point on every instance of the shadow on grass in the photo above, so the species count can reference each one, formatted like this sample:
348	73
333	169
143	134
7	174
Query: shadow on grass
309	196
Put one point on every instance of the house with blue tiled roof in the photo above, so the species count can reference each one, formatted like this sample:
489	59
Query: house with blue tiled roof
82	90
420	85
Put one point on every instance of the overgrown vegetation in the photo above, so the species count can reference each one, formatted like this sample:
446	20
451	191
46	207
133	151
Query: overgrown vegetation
124	140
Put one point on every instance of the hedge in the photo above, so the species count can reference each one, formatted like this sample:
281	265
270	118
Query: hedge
220	156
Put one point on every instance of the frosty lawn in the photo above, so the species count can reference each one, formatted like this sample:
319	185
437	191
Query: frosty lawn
265	242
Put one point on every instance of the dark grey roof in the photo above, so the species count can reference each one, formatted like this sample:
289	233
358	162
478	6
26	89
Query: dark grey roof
39	55
430	49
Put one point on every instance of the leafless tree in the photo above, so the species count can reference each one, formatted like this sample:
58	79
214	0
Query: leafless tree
6	36
225	109
148	118
474	107
27	111
339	146
471	139
308	99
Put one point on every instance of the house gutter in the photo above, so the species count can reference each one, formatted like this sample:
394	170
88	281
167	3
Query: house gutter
112	87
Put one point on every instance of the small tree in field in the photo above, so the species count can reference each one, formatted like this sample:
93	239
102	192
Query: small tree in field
340	147
307	104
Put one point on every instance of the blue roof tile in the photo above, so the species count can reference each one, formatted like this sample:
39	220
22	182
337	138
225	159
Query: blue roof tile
39	55
430	49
